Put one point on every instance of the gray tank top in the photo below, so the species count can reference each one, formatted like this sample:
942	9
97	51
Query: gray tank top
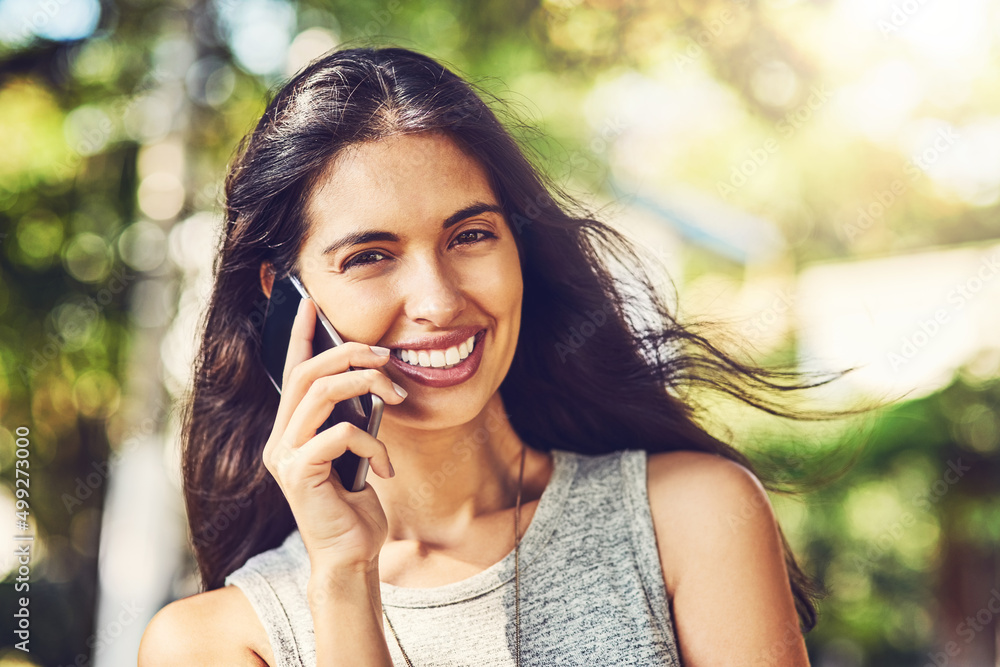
592	590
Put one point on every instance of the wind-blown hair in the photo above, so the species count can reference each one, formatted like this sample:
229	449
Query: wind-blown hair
588	374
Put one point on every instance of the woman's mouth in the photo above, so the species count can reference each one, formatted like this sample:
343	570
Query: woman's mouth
437	358
444	367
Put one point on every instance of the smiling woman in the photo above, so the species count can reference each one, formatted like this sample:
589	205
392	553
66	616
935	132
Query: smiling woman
411	223
527	506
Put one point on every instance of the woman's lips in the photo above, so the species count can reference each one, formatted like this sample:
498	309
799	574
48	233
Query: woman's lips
444	377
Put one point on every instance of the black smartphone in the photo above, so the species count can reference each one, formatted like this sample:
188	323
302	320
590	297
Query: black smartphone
365	412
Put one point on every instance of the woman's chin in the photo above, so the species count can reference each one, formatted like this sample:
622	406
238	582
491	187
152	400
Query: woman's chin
427	409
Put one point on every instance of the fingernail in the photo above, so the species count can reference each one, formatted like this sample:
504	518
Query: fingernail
302	305
392	471
379	350
399	390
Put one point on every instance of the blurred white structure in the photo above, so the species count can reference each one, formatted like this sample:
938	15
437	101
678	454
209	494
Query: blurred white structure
910	321
142	526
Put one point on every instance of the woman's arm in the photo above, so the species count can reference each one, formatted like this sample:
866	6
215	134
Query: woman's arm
347	617
343	531
723	563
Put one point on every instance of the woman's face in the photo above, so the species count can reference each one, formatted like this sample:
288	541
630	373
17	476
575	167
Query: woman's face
407	248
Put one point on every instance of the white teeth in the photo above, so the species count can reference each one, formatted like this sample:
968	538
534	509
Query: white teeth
438	358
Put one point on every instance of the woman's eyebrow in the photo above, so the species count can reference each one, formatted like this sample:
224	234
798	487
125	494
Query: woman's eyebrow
357	238
472	209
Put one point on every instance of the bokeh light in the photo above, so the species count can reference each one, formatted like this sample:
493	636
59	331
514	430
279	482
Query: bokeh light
260	33
58	20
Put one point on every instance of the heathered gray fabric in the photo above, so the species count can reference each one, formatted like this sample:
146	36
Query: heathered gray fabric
592	590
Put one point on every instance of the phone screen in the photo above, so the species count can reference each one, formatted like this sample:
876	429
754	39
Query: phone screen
365	412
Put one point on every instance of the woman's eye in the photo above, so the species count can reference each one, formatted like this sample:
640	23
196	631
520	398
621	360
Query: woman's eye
369	257
470	236
364	258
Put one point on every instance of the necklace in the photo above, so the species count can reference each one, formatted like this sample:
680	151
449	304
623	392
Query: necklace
517	577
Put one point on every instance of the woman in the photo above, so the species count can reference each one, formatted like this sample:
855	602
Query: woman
541	493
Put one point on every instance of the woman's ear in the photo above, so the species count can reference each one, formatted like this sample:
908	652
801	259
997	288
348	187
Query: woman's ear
266	278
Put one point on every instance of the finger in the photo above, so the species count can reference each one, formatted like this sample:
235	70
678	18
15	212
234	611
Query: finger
339	359
300	344
324	394
310	464
299	350
336	360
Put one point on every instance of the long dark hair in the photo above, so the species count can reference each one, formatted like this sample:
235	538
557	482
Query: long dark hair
598	367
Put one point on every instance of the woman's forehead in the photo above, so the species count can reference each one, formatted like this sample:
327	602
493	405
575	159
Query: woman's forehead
402	178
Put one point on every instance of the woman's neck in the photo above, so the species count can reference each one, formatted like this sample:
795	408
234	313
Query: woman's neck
447	478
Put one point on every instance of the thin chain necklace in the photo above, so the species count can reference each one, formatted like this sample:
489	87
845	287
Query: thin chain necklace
517	578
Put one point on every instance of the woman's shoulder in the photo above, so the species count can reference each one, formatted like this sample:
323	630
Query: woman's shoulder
723	559
704	504
689	472
215	627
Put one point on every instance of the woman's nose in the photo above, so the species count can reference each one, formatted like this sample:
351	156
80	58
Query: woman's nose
433	294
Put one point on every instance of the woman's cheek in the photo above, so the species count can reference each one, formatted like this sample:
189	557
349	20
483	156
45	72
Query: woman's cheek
500	279
360	314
